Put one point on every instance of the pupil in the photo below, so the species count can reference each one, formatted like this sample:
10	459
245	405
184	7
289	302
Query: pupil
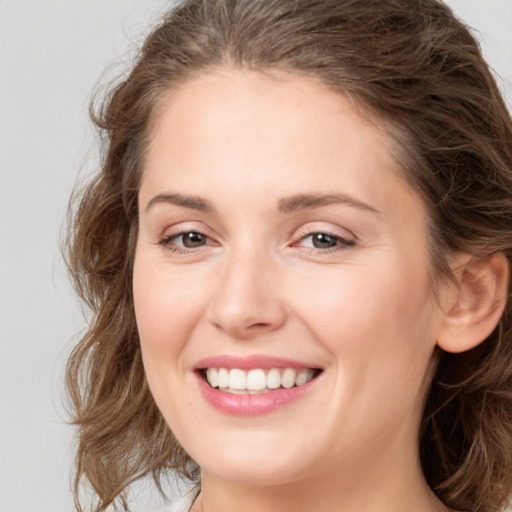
193	239
323	241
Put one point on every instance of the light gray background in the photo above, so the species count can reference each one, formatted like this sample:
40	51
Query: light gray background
52	52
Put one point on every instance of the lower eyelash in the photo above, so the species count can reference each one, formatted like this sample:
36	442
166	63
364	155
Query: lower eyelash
331	250
166	243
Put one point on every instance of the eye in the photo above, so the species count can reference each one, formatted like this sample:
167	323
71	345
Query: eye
185	240
191	239
325	241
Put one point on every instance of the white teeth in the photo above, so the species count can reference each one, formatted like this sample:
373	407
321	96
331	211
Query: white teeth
288	378
212	375
303	376
274	379
236	391
256	380
237	379
223	377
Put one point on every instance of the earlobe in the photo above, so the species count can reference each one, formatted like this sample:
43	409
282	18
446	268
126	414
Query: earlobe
476	305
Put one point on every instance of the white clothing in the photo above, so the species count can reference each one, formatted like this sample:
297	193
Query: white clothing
184	503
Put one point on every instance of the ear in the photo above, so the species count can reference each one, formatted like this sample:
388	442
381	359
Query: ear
473	309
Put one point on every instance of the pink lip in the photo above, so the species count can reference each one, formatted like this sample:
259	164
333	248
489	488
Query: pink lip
249	362
247	405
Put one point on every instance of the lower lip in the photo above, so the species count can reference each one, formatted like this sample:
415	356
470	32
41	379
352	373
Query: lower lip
250	405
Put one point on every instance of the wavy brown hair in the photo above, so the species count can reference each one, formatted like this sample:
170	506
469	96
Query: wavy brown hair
409	63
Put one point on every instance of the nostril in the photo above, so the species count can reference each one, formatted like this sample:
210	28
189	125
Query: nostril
258	325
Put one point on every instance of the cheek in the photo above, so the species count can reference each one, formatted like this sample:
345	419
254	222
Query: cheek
167	308
371	313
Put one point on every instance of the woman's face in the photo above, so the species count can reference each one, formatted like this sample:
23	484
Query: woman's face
276	242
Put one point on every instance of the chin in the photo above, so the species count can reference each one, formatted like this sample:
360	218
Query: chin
249	473
251	463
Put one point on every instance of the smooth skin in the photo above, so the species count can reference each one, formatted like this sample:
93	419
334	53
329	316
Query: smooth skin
274	221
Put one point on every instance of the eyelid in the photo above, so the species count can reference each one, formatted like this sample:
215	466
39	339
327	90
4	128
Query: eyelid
344	239
187	227
182	228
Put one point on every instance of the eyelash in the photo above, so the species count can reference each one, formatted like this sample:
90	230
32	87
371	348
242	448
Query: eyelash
342	244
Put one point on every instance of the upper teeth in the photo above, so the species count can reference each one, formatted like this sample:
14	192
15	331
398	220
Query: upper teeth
258	380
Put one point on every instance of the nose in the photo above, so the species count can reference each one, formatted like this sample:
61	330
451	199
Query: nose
248	301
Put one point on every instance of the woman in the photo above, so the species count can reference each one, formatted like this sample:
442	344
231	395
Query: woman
297	255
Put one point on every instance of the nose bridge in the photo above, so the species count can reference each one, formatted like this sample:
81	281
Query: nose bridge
247	301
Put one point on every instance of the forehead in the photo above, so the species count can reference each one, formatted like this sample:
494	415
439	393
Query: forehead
263	102
233	112
247	131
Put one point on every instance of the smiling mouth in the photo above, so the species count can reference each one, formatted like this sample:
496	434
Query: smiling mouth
257	380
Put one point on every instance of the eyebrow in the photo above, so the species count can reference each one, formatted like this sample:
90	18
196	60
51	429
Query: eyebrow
286	205
192	202
305	201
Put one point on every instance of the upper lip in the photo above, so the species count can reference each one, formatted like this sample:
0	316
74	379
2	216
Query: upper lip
250	362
